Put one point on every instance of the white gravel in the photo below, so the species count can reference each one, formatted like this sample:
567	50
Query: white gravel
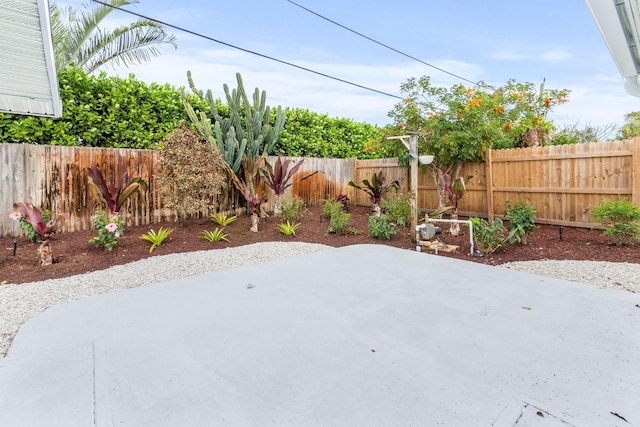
18	303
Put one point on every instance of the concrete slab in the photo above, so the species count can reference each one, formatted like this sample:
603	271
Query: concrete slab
360	336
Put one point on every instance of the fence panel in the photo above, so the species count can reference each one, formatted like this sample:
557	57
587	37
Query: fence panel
391	171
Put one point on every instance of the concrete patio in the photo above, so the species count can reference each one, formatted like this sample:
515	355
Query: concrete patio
364	335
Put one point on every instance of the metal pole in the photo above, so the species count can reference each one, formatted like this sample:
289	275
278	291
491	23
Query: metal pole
413	177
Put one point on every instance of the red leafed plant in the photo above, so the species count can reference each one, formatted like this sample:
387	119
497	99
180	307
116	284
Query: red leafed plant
116	195
33	216
278	177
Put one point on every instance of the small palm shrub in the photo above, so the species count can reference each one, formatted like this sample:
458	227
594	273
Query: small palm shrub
620	218
380	227
522	220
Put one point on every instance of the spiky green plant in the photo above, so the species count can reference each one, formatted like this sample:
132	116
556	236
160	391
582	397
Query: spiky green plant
156	239
222	219
289	228
215	235
376	188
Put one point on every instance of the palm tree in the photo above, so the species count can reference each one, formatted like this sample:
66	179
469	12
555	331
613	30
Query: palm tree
79	40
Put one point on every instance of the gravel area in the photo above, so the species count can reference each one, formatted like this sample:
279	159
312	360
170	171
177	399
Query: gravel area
18	303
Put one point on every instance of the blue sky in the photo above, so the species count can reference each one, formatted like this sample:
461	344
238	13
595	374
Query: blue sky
492	41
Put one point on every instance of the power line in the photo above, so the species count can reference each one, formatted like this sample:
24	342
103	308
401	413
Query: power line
382	44
166	24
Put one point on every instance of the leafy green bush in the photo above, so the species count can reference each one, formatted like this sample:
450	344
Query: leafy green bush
380	227
339	222
331	207
522	220
109	230
398	208
102	111
490	237
620	218
309	134
291	208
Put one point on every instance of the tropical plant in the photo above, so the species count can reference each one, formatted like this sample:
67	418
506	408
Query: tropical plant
43	229
80	39
522	220
620	218
580	134
191	173
489	236
278	177
109	230
156	239
344	200
292	208
379	227
288	228
222	219
27	228
115	195
453	189
631	125
376	188
216	235
398	208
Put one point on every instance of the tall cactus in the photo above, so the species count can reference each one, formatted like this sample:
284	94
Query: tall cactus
246	132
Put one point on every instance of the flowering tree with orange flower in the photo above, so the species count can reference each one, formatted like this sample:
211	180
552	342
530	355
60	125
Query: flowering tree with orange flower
461	123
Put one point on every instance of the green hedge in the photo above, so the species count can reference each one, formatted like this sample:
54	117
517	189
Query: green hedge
101	111
108	111
310	134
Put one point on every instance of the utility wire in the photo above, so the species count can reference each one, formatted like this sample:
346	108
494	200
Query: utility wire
382	44
166	24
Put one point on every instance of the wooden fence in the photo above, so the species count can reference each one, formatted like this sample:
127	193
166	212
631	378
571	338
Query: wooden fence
562	182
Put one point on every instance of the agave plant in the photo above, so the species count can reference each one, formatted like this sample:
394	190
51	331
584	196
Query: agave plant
115	195
44	230
376	188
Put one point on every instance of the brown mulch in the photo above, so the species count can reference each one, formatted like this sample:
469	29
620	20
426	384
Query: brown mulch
74	254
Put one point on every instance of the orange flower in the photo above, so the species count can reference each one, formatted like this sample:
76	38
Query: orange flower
475	102
499	109
507	127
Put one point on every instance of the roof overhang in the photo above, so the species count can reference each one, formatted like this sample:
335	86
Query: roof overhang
28	78
619	23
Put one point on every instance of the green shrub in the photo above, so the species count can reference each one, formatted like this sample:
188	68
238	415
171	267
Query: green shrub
490	237
331	207
398	208
380	227
339	222
291	208
109	230
620	219
102	111
522	220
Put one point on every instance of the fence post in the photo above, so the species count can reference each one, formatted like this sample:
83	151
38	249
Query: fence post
489	175
635	172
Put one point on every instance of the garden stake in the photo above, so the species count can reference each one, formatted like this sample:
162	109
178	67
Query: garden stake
15	247
560	231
